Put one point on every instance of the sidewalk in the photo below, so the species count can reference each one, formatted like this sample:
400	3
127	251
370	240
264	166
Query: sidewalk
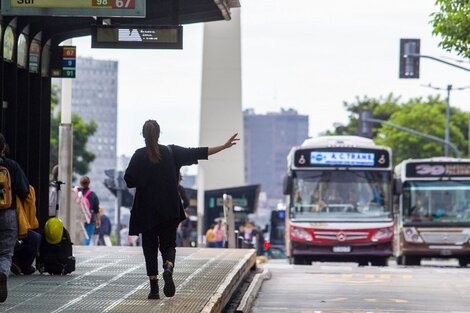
113	279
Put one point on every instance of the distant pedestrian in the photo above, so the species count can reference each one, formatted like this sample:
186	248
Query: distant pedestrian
54	187
157	209
105	229
219	234
211	238
181	231
14	185
93	204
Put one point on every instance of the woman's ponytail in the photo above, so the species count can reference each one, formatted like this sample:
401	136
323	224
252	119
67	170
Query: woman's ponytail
151	133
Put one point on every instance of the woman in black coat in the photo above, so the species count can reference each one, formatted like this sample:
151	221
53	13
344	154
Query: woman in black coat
153	170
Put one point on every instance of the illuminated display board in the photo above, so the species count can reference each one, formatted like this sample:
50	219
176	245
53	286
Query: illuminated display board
137	37
103	8
342	157
438	169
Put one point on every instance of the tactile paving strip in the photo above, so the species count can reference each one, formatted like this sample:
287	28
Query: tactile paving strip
113	279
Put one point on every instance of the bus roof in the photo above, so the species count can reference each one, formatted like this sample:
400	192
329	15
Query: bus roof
400	169
338	141
335	142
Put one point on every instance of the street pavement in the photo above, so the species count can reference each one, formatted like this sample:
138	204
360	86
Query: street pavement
113	279
434	287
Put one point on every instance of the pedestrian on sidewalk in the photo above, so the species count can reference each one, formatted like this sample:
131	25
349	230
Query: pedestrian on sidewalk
157	210
93	204
19	185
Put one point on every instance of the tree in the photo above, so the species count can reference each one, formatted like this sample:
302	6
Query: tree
427	116
81	132
382	108
452	23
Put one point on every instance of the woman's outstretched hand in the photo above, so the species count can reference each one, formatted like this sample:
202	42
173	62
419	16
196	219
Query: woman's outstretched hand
232	141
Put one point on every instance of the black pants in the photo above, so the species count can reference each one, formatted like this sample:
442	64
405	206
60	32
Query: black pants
163	237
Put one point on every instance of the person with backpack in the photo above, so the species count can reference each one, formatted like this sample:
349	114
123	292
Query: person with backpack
55	251
13	183
92	204
157	209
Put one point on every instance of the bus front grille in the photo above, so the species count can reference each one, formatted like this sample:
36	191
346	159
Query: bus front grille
445	237
335	235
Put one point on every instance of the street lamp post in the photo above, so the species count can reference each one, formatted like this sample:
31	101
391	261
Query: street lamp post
447	135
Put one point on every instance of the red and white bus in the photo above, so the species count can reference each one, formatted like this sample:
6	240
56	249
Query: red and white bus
339	200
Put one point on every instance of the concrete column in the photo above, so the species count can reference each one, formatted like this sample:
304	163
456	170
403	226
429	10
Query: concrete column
221	102
65	156
221	106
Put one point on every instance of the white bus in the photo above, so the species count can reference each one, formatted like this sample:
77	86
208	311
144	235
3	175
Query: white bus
434	201
339	201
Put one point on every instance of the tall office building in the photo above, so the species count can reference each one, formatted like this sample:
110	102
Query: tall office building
94	96
268	139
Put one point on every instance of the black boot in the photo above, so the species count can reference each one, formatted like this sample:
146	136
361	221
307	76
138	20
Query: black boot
3	287
169	288
154	289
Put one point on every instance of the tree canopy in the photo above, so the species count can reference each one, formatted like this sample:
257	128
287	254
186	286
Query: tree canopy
424	115
81	132
452	24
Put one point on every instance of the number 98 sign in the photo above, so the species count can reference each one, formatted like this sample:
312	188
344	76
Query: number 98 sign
115	4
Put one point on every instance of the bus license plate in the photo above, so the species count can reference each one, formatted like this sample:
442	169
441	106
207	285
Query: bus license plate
342	249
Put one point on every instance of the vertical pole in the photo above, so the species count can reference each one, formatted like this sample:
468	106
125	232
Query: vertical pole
229	221
468	135
66	153
119	187
447	135
200	205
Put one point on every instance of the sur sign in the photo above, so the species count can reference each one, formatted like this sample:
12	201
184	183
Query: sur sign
100	8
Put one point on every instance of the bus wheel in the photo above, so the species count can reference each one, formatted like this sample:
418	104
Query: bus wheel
412	260
363	262
463	262
379	261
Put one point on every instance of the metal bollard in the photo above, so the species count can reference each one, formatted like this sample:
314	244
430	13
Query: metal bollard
236	239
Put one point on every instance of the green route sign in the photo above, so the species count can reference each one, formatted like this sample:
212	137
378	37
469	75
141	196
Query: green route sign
101	8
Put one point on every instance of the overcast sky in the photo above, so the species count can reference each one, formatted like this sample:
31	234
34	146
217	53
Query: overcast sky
302	54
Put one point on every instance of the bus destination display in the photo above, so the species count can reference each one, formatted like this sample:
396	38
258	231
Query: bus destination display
351	158
138	37
436	169
105	8
342	158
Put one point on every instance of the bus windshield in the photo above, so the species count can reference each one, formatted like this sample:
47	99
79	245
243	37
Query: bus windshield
436	201
341	195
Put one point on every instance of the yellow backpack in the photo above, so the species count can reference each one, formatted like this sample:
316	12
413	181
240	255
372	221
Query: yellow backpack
5	187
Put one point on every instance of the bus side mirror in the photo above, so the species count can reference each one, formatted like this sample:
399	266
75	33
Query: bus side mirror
397	187
287	185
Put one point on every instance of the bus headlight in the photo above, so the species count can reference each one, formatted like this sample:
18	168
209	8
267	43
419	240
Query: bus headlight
411	235
382	234
300	234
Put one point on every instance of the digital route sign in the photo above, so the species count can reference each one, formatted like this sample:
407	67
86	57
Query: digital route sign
137	37
100	8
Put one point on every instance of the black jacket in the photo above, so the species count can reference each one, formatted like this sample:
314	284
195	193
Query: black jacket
156	198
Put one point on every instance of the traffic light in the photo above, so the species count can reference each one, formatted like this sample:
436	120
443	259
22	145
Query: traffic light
409	58
364	127
110	182
115	182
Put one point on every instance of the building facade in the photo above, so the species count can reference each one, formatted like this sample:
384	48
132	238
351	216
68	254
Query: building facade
94	96
268	139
